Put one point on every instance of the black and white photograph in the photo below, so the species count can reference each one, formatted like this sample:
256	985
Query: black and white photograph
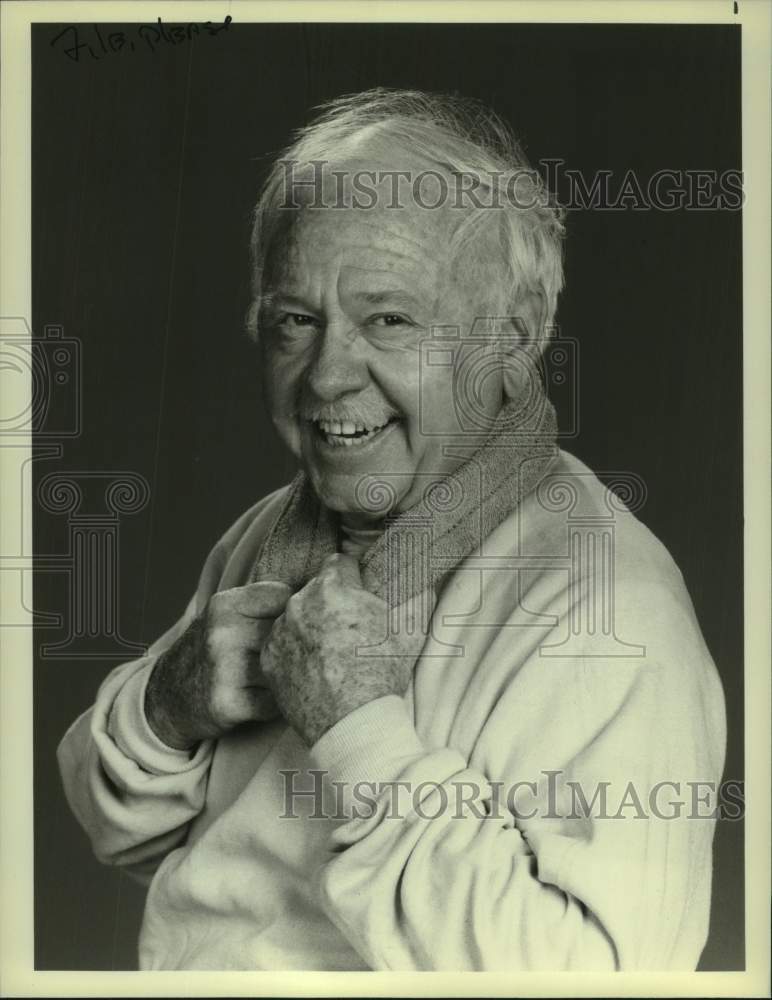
388	589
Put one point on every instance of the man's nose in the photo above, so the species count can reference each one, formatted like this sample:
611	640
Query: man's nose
338	367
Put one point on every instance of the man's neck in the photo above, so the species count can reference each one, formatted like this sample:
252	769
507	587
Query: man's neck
358	533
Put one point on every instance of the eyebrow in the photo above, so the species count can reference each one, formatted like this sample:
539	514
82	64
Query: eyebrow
269	299
388	295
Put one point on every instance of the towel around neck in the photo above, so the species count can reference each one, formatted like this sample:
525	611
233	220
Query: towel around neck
421	544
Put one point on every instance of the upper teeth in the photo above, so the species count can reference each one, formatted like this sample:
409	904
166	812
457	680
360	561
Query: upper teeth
344	427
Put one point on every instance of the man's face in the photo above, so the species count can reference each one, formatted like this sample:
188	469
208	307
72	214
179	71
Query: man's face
348	298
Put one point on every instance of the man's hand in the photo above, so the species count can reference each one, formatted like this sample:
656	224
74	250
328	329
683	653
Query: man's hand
210	680
310	659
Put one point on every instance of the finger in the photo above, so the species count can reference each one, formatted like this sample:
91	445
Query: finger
266	599
256	632
250	704
253	676
344	568
263	705
237	632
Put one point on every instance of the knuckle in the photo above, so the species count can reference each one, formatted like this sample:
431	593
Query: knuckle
269	640
329	584
218	603
219	704
292	610
330	571
261	633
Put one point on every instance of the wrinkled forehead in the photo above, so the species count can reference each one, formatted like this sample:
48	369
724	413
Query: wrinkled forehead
358	242
359	218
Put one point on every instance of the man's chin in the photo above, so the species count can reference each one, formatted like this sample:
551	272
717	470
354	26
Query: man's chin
360	479
361	494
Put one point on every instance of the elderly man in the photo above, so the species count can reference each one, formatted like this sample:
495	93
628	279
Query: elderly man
442	702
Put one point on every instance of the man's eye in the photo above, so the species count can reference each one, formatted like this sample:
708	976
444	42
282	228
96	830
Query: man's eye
390	319
298	319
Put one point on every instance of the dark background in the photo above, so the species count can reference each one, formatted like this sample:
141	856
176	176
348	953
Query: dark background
145	166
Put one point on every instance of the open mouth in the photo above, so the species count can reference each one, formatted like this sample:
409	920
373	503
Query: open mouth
347	433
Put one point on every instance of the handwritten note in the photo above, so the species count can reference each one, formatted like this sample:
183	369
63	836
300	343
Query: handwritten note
84	42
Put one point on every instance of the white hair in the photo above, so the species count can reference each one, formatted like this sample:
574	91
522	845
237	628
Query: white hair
459	137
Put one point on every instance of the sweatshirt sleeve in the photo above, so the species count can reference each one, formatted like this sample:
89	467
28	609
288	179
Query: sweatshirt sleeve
133	795
473	862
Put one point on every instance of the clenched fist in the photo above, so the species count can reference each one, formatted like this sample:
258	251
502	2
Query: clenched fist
310	659
209	681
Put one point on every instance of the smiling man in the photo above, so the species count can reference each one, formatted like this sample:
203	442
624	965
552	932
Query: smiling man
442	702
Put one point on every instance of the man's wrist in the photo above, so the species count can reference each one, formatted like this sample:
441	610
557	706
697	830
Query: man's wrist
314	723
370	741
127	727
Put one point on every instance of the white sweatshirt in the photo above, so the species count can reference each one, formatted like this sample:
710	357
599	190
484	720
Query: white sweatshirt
460	868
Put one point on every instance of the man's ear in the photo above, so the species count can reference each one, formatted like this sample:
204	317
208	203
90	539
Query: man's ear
522	349
529	319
